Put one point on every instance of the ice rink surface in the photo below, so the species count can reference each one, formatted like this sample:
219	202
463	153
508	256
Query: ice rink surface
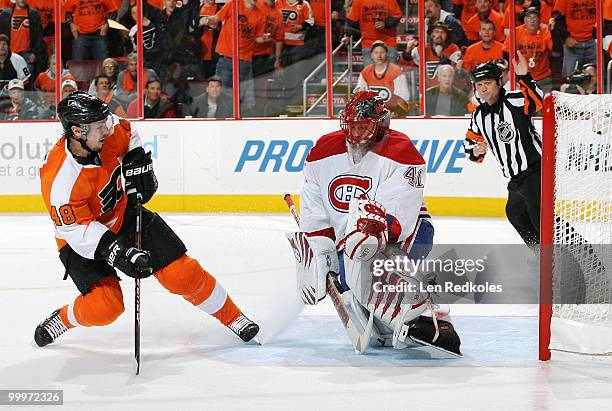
306	362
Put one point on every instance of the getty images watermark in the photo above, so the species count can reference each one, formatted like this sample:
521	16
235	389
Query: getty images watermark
456	267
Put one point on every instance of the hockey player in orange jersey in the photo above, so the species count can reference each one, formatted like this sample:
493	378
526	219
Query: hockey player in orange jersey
94	218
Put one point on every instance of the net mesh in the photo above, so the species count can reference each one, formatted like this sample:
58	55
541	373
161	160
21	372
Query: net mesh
582	261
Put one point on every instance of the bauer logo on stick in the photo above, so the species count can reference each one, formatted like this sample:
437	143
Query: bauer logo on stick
346	187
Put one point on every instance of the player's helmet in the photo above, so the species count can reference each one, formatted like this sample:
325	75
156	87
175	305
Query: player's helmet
79	109
488	70
365	108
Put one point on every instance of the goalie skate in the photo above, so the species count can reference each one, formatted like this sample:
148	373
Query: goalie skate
423	331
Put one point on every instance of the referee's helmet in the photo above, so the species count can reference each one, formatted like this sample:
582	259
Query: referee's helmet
488	70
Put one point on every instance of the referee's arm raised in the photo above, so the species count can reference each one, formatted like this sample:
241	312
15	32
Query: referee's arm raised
530	89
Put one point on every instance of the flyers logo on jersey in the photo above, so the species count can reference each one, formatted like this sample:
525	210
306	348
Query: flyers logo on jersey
344	188
112	192
383	92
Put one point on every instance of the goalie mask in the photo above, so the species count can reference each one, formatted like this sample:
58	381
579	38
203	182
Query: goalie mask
365	118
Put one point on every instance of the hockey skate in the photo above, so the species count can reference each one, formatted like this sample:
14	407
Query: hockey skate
244	328
49	329
423	330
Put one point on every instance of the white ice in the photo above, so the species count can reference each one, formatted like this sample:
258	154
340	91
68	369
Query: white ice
189	361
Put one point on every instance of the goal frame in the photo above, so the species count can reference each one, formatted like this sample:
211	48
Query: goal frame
547	212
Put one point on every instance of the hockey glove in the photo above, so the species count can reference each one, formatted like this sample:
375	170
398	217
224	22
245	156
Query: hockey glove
139	175
366	229
117	253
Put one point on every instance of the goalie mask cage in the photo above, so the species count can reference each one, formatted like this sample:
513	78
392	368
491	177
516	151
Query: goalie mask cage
576	225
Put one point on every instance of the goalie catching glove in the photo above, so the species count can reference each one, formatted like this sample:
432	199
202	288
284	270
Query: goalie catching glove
139	176
117	253
366	229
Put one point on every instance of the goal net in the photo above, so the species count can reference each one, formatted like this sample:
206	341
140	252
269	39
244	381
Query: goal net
576	268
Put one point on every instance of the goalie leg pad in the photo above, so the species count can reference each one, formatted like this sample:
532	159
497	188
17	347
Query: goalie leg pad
315	257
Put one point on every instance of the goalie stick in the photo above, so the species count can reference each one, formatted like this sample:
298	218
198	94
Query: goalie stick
359	337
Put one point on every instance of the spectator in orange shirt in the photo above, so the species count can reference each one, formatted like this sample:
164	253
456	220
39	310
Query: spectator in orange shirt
487	49
251	28
519	12
575	21
387	79
298	19
484	11
535	43
377	20
267	56
22	24
465	9
45	82
89	27
208	39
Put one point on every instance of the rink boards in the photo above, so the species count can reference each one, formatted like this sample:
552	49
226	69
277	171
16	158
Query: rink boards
243	166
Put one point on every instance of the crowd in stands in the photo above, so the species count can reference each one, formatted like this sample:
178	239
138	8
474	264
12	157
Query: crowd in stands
188	52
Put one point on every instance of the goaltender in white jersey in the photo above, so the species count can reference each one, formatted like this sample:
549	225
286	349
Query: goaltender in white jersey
363	195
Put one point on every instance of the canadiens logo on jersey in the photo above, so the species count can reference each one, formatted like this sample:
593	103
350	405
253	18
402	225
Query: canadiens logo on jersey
344	188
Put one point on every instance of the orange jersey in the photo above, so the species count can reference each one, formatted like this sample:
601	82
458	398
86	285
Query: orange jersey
206	39
294	15
20	31
387	84
367	13
607	11
251	24
46	84
46	8
274	25
579	16
545	14
476	54
318	12
535	47
89	15
472	28
84	201
468	9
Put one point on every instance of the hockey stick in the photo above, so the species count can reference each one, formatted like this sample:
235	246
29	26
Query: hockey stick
359	340
138	245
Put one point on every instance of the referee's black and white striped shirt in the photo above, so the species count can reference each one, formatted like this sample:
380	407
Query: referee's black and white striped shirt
508	128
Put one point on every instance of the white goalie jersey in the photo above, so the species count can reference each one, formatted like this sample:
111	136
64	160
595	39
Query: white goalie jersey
392	174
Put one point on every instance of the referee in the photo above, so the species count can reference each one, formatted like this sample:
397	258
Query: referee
503	123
